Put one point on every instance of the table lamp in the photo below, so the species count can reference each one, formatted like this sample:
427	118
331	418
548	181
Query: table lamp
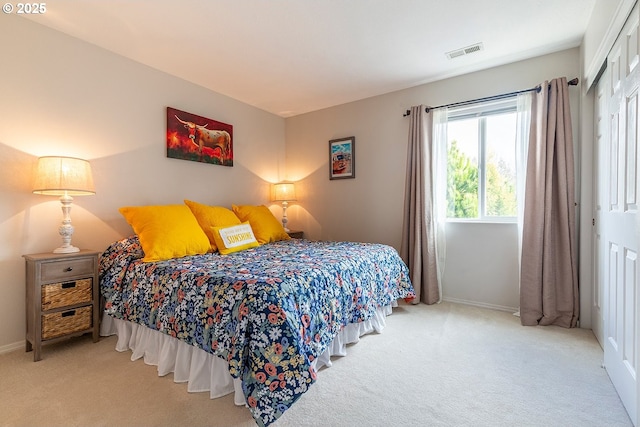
64	177
284	192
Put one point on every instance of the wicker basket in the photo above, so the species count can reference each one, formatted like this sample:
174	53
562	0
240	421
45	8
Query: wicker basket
56	295
66	322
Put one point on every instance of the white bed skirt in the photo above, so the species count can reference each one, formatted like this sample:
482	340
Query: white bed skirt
203	371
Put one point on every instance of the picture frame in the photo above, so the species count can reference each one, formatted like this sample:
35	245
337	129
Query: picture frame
199	139
342	161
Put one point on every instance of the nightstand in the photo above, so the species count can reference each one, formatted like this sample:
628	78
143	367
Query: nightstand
62	297
295	234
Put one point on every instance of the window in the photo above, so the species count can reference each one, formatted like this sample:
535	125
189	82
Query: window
481	162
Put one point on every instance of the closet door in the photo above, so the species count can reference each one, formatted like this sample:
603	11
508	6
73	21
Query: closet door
619	217
601	189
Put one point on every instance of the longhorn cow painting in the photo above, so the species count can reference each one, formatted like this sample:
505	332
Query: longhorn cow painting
196	138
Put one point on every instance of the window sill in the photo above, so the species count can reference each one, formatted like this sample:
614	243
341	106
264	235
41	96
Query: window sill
482	221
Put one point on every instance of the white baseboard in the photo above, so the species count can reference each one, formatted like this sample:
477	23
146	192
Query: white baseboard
481	304
12	347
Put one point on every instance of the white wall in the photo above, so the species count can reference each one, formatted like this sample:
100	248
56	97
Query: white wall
369	207
61	96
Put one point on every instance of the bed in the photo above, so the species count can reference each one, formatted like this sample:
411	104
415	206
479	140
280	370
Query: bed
259	322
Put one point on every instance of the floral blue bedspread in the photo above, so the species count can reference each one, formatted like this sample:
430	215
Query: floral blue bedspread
269	311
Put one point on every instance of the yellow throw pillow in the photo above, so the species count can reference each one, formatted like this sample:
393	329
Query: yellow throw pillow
165	232
234	238
212	216
266	227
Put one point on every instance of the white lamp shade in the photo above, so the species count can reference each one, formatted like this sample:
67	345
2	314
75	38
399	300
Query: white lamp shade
58	176
284	192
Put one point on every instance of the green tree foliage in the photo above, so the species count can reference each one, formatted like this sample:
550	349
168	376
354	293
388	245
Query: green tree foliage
501	193
462	184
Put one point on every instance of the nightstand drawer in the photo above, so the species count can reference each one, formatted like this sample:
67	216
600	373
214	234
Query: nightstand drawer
62	294
66	322
61	269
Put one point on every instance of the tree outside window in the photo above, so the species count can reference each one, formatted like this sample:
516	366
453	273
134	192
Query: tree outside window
481	167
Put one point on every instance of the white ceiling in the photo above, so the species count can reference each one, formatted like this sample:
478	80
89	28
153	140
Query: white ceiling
290	57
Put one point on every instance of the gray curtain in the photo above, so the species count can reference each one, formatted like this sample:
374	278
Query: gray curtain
418	247
548	276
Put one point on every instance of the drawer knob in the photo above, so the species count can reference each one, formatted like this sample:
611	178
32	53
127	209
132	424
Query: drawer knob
68	269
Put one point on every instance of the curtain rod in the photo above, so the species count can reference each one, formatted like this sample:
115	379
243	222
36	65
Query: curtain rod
572	82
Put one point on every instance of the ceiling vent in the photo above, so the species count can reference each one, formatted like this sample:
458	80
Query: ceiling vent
465	51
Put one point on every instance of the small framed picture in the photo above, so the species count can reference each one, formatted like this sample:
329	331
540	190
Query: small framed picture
342	158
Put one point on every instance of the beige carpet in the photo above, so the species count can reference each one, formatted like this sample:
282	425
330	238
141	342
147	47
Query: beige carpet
443	365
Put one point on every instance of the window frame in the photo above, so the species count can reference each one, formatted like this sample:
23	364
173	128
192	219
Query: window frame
481	111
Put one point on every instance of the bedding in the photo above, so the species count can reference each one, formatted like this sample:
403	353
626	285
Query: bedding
269	311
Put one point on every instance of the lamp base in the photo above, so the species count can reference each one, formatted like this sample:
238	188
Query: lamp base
285	204
66	250
66	229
